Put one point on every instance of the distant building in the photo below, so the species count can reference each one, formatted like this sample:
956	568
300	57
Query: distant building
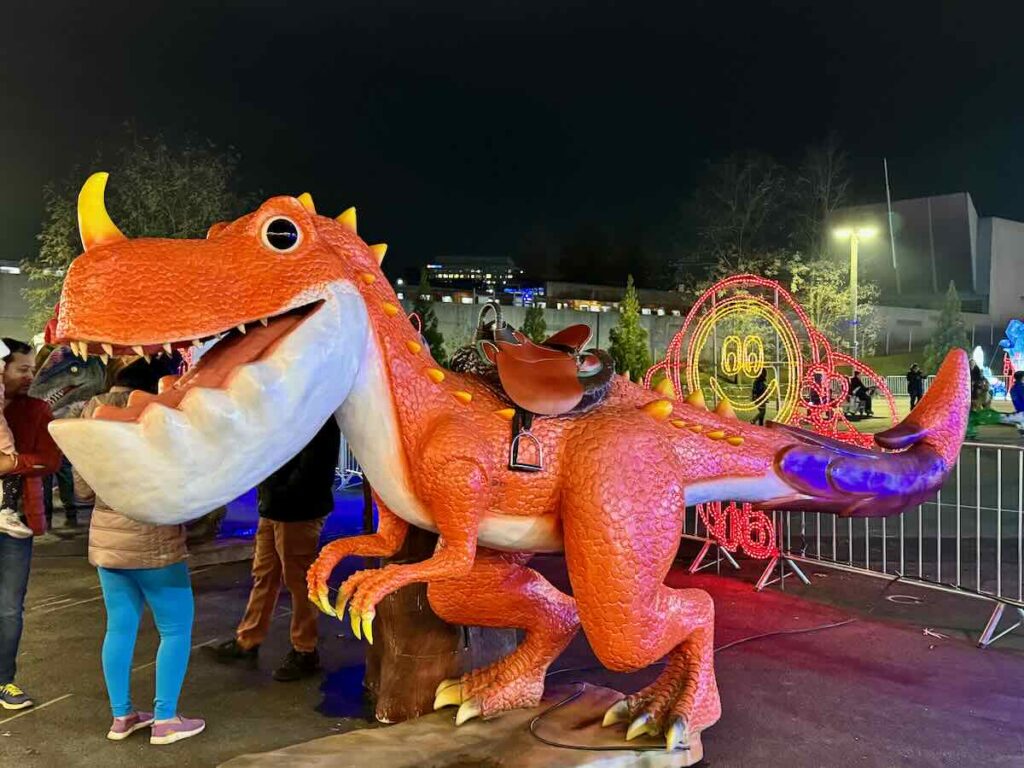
938	239
13	307
481	272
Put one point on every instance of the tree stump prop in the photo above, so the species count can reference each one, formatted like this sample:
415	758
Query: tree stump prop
414	649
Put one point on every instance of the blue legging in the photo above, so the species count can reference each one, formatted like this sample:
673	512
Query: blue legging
168	593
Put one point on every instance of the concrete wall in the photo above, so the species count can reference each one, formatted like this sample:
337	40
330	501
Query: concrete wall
908	330
1006	291
13	308
457	323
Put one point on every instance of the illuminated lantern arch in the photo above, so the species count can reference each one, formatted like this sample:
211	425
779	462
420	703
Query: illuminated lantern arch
809	388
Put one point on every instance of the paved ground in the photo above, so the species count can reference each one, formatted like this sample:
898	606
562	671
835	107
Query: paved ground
877	692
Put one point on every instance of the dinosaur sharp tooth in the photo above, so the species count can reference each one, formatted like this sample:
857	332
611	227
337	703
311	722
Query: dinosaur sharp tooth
138	350
241	327
196	343
108	349
167	348
264	322
105	358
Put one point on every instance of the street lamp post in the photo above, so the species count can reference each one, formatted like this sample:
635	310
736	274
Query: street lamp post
855	234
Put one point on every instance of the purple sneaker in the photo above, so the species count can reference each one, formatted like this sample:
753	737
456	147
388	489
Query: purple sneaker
170	731
123	727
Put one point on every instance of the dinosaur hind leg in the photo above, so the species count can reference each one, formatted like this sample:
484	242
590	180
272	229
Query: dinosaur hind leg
630	618
500	591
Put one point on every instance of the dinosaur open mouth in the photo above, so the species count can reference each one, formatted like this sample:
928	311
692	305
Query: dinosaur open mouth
231	350
59	394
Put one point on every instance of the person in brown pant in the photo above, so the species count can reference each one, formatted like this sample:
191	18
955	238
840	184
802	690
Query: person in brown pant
293	503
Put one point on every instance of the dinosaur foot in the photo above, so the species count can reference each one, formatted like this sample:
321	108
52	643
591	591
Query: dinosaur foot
681	703
489	691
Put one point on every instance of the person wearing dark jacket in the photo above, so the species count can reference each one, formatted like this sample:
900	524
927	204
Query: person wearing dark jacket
915	385
293	503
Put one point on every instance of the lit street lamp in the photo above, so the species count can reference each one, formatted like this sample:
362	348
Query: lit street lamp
855	235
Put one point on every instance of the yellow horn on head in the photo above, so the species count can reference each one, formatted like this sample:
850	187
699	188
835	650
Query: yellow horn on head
379	250
94	224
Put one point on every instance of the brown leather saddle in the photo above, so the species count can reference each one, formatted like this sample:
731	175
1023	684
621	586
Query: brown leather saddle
554	378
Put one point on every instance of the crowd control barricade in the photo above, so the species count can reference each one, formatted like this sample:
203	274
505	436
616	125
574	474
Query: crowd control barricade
348	472
966	539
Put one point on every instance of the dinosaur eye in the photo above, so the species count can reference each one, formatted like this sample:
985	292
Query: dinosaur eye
281	234
74	369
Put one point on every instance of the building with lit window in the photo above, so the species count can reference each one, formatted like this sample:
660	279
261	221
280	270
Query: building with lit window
484	273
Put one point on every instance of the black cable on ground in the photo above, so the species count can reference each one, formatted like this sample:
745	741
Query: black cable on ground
583	685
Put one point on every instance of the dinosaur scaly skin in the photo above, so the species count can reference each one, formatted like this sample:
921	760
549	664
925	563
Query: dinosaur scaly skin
434	444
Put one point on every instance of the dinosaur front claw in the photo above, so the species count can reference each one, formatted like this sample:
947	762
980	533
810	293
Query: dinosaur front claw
362	624
467	711
448	693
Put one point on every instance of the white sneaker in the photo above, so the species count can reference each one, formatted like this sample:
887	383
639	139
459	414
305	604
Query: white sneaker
11	524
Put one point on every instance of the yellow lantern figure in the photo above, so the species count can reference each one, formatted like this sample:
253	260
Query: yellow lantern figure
746	355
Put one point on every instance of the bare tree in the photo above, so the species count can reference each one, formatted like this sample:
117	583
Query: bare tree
740	209
819	189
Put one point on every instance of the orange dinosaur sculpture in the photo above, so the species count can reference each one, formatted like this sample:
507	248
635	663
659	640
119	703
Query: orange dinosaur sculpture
309	327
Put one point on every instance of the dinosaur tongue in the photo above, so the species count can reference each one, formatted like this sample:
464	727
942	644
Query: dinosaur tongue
213	368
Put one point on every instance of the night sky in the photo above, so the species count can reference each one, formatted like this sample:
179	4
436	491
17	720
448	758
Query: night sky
456	127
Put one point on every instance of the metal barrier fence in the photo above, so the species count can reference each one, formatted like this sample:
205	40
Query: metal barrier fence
898	384
348	472
968	539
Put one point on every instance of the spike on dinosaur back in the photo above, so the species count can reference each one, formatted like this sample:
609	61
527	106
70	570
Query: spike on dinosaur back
306	200
696	399
658	409
378	251
413	346
388	308
348	220
724	409
665	388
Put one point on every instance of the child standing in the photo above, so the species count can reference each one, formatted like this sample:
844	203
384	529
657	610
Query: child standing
10	485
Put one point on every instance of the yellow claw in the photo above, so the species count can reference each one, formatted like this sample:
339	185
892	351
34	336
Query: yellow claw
677	735
368	626
616	713
467	711
643	724
356	628
449	693
323	601
339	605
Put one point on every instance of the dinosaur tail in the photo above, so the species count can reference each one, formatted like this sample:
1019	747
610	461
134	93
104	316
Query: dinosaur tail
830	476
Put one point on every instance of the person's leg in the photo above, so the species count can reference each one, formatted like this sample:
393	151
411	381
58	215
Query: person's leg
297	546
266	584
66	487
48	500
123	600
15	563
168	592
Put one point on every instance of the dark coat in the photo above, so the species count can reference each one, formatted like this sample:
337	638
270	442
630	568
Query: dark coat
303	488
915	383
